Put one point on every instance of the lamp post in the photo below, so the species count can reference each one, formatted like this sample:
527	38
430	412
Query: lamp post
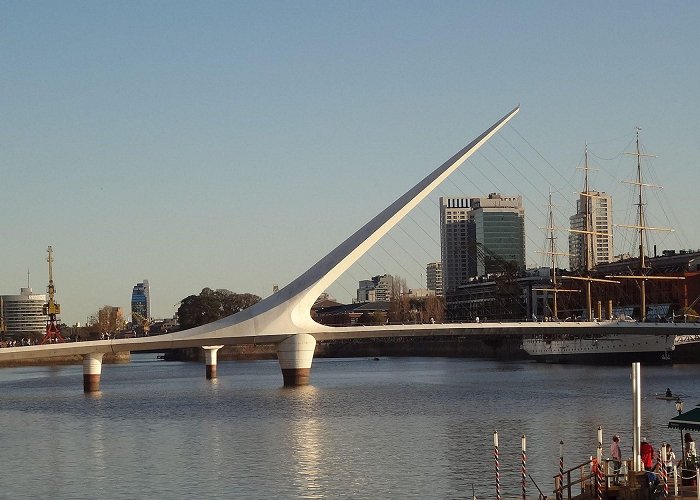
679	409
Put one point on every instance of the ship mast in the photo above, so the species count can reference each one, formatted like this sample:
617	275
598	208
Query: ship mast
642	228
588	232
589	251
553	254
642	235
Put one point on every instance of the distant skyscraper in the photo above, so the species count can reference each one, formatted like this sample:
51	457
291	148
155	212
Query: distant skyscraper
457	242
141	300
433	274
22	315
478	235
500	232
600	216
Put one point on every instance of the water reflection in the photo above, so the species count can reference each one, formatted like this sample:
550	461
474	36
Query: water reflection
400	428
96	436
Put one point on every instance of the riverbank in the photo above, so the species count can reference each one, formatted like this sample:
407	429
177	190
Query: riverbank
77	359
506	347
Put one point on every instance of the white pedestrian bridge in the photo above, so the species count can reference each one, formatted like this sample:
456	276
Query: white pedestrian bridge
284	318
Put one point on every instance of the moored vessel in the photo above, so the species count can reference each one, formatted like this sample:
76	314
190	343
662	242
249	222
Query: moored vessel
622	348
607	348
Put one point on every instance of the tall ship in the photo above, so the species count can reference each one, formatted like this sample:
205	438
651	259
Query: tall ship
622	340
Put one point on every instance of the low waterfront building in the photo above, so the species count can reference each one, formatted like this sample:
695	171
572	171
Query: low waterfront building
665	298
365	313
502	297
23	315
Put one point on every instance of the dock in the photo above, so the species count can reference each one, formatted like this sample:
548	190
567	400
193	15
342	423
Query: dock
581	483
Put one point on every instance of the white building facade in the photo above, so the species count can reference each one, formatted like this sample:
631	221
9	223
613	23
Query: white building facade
23	315
601	237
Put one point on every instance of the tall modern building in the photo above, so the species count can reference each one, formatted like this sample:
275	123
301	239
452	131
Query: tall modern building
457	242
23	315
500	232
601	223
479	235
141	300
433	274
379	288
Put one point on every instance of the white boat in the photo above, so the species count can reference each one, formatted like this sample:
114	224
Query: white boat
622	348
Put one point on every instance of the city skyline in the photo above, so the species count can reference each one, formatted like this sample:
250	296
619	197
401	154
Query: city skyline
178	144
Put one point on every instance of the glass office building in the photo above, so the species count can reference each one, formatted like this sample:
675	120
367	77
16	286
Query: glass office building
141	299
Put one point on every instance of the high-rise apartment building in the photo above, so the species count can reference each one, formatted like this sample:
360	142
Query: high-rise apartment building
479	235
23	315
457	242
141	300
433	274
600	227
379	288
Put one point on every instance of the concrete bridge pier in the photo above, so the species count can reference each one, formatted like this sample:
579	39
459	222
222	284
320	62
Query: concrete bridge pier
210	359
92	369
295	354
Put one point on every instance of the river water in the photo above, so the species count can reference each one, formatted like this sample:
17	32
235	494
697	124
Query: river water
393	428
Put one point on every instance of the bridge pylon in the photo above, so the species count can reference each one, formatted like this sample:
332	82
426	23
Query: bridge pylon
92	370
295	355
210	352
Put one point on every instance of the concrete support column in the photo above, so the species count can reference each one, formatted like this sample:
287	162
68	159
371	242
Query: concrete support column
295	355
92	369
210	359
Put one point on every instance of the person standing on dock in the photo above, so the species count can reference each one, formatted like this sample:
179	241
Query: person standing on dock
616	455
670	460
689	451
646	450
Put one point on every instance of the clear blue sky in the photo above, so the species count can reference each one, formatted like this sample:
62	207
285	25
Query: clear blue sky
232	145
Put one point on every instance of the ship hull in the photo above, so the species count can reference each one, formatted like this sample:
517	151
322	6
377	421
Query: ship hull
601	350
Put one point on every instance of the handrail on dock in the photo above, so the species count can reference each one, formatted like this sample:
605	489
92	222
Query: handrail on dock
559	488
541	496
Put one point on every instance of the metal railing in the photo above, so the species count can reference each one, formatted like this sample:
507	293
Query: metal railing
564	482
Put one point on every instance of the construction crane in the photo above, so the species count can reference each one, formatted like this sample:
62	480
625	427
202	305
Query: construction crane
51	308
145	322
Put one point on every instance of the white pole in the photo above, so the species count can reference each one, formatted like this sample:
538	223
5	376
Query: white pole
675	479
636	416
523	445
697	476
664	471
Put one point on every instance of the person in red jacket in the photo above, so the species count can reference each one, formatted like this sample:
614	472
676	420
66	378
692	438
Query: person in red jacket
646	450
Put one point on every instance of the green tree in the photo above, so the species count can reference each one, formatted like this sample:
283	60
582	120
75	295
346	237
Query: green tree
211	305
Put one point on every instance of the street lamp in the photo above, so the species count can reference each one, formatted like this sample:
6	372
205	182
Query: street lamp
679	409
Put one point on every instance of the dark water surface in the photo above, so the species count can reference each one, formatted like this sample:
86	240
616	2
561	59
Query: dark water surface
394	428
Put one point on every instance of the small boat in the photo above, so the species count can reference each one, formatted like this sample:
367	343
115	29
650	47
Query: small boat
663	395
